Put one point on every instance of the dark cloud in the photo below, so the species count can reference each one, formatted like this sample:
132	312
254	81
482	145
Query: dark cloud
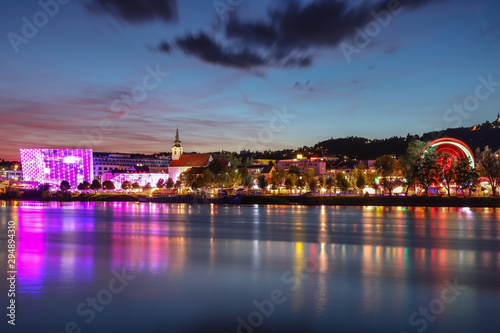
205	48
319	23
136	11
165	47
289	33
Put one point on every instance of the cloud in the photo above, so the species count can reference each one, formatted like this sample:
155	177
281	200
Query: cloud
205	48
136	11
165	47
288	35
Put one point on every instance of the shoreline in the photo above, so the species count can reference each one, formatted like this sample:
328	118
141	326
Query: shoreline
424	201
315	200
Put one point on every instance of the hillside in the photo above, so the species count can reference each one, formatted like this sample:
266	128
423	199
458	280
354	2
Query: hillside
363	148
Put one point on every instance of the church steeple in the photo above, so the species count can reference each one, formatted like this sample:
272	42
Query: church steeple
177	142
177	149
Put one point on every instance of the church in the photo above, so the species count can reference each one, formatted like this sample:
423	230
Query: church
183	162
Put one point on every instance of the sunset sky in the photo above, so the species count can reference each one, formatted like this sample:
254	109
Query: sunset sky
233	68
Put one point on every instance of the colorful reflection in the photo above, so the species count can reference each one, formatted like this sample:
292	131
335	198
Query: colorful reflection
378	261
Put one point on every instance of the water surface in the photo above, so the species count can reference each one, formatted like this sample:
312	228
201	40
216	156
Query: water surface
202	268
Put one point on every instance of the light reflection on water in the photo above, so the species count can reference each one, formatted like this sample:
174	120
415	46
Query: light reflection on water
370	267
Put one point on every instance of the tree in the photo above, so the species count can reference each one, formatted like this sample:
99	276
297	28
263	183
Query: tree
342	182
278	178
330	182
280	175
313	185
170	183
428	169
410	163
466	177
135	185
108	185
322	182
309	175
243	174
489	166
64	186
96	185
293	179
160	183
387	168
83	186
294	169
208	178
126	185
262	182
233	176
301	182
359	176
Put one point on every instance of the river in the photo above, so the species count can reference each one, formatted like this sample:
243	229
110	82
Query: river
145	267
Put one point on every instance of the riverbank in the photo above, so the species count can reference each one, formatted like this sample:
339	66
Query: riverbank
425	201
342	200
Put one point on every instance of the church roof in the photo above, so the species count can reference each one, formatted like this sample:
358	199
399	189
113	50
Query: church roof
264	168
192	160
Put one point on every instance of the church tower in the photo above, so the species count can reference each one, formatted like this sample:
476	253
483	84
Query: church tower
177	148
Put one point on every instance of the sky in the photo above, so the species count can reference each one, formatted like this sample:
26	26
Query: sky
120	76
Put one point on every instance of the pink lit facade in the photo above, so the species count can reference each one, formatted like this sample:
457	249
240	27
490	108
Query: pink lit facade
52	166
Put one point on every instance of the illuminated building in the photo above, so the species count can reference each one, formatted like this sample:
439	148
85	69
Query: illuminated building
52	166
181	163
103	162
141	178
15	174
317	165
265	170
177	149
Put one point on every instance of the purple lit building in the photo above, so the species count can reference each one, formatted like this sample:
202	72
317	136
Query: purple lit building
52	166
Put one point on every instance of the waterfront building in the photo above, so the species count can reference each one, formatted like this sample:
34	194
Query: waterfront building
52	166
319	166
103	162
183	162
141	177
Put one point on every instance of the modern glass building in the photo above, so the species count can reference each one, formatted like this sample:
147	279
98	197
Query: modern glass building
52	166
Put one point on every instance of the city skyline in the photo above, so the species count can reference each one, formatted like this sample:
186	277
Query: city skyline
231	72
